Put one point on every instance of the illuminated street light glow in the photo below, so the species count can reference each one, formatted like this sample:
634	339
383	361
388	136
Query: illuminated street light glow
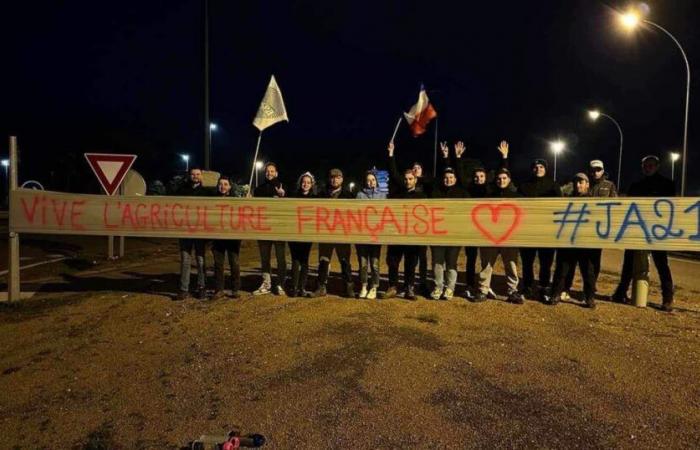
557	146
5	163
675	156
213	126
259	165
185	158
630	20
352	186
594	114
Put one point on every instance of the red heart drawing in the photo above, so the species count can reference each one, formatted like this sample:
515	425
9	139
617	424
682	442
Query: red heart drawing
495	217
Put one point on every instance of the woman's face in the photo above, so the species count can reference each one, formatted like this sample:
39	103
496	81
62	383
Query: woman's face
306	184
371	181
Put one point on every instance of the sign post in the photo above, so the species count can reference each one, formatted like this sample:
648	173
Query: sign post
13	280
110	170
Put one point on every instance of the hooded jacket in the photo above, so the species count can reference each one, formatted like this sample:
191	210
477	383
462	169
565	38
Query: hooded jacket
267	189
540	187
655	185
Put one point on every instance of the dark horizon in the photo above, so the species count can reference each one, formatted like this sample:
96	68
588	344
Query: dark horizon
128	78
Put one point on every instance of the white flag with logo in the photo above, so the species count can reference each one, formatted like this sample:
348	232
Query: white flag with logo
271	108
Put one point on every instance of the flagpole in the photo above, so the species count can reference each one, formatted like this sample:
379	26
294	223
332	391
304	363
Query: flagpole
396	129
435	145
252	171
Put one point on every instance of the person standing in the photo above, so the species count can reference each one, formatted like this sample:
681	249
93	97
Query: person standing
539	185
306	188
501	188
192	188
409	253
653	184
221	248
334	190
271	188
368	254
568	258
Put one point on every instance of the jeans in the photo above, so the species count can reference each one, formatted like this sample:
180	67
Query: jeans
470	272
489	255
660	258
222	248
186	246
567	259
325	253
445	259
265	257
409	253
546	256
368	257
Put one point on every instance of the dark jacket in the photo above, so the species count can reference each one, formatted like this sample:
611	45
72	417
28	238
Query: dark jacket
494	191
656	185
603	188
425	183
540	187
466	168
341	193
455	191
403	193
267	189
187	190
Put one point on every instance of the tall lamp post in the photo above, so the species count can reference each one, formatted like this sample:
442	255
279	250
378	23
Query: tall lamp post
258	167
556	147
631	20
594	115
674	157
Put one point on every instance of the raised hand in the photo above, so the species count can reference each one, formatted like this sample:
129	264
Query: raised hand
460	149
503	148
390	148
279	190
445	149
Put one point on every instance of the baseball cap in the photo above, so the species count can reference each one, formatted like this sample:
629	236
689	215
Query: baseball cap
581	176
597	164
650	157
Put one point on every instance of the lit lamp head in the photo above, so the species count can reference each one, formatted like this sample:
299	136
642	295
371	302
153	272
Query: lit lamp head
674	156
352	185
593	114
557	147
213	126
259	165
5	163
185	157
630	20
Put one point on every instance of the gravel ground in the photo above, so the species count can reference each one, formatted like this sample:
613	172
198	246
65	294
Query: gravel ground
108	360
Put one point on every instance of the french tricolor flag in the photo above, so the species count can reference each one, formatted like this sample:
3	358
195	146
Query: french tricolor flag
420	114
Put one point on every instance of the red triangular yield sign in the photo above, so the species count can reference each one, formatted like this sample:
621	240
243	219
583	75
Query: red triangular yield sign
110	168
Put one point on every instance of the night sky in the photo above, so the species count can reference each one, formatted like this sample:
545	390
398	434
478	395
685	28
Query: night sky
127	77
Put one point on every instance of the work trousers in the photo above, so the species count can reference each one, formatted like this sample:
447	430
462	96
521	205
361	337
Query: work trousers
489	255
223	248
409	253
660	258
445	260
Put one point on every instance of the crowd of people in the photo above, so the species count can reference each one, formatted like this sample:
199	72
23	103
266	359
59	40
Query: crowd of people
461	177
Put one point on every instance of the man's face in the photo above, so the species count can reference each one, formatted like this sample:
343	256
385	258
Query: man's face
479	177
597	173
306	184
650	167
336	181
539	170
449	179
270	172
417	170
371	181
582	186
224	186
196	176
409	180
502	180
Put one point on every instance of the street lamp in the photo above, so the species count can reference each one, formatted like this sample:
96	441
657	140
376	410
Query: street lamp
594	114
556	147
674	157
212	127
258	167
185	157
352	186
631	20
